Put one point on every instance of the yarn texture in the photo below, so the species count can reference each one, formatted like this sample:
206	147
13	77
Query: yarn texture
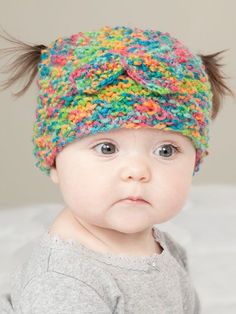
119	77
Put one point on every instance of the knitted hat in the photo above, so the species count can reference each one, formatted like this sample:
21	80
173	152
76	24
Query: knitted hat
119	77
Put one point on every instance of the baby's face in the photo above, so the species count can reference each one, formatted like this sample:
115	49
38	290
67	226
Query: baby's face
96	172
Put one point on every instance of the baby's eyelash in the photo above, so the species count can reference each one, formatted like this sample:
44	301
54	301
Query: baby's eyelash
175	147
176	150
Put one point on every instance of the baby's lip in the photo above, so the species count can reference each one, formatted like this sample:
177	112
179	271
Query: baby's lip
135	199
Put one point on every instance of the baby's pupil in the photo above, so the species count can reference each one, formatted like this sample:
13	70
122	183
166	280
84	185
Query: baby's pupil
167	150
108	147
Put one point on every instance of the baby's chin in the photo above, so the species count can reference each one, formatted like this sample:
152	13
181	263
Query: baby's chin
129	219
135	222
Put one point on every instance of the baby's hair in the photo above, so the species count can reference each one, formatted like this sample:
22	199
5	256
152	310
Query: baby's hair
26	65
216	78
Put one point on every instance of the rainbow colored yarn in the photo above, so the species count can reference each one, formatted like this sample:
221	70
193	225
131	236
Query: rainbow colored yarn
119	77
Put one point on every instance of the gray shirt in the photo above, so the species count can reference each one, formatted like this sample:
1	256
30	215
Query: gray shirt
65	277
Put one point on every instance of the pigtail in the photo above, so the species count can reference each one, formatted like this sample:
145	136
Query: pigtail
219	87
27	57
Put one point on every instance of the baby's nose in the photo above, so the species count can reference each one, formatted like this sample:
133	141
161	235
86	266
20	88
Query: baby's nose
137	169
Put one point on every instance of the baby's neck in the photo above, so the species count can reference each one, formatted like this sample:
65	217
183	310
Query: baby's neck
67	227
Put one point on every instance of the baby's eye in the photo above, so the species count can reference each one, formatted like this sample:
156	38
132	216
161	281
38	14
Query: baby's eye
106	148
167	150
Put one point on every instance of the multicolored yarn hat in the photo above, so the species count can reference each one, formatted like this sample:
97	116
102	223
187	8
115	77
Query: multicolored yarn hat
119	77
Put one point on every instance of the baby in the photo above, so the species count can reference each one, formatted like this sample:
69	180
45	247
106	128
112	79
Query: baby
122	126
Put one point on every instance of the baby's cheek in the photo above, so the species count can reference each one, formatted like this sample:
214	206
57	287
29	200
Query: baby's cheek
180	192
172	196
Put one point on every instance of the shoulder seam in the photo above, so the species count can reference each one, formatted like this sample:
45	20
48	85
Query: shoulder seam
53	271
35	276
67	276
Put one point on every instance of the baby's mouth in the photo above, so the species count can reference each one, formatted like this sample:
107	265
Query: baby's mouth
133	200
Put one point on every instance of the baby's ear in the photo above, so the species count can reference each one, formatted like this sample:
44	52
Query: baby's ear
54	175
